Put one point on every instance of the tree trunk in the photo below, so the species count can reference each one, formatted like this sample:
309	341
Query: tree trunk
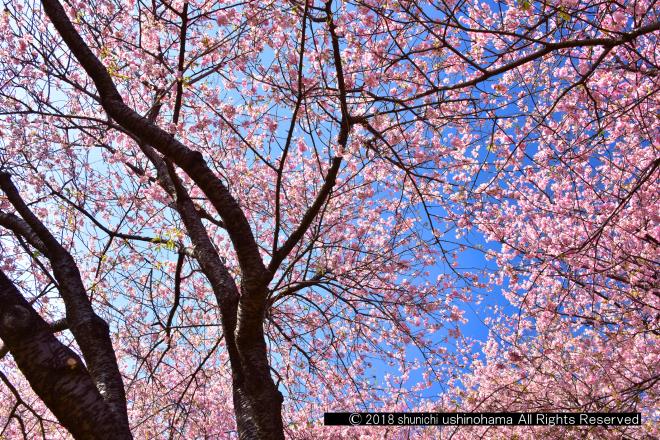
257	401
55	373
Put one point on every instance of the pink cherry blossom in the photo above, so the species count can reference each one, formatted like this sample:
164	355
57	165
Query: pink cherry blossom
221	219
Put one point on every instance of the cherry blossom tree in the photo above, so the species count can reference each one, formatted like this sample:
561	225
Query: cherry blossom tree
220	219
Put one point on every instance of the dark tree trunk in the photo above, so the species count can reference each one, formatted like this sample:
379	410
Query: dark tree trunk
258	403
55	373
90	331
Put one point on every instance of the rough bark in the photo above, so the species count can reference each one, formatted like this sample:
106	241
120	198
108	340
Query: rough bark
257	401
256	417
90	331
56	373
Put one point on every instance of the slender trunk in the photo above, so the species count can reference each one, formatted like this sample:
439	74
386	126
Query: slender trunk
257	402
261	401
